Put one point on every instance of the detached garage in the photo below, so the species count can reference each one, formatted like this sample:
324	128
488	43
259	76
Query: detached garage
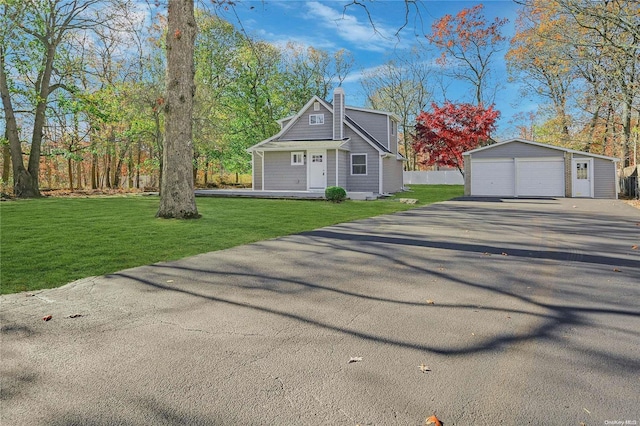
522	168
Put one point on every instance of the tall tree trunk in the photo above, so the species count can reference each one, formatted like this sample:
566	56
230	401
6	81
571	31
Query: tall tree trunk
138	159
94	171
130	171
107	168
24	184
79	174
6	160
177	199
70	172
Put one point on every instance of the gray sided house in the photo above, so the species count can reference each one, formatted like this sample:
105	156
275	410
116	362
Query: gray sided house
523	168
331	145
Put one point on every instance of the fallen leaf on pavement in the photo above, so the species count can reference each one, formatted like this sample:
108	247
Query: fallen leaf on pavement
433	420
634	247
424	368
504	254
430	302
74	315
616	270
169	281
354	359
47	318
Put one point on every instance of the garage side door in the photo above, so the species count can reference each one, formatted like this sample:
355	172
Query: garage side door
540	177
493	178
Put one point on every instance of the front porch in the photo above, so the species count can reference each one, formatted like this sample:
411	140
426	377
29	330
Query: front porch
281	195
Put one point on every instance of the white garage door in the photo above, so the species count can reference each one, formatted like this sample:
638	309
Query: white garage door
540	177
492	178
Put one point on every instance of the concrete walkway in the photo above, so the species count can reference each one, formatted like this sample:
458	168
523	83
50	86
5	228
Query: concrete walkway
511	312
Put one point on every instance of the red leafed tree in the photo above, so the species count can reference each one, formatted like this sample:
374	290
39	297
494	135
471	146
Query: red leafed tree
446	132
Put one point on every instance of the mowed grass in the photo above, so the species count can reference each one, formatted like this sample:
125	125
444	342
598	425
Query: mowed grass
46	243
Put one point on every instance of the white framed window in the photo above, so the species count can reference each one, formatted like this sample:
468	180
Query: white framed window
358	164
393	127
316	106
315	119
297	158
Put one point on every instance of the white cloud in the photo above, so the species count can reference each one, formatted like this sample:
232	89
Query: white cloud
363	35
357	76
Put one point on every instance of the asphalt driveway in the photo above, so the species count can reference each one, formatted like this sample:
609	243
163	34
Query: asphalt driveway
518	312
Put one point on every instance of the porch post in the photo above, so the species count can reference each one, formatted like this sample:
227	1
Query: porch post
337	181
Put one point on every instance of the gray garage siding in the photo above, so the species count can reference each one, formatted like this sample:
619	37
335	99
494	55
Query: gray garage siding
370	182
302	130
604	173
517	150
280	175
604	177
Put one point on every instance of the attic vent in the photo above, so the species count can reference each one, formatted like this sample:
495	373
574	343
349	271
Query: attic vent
316	106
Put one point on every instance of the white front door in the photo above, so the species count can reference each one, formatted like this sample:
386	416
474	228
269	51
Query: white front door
317	161
582	177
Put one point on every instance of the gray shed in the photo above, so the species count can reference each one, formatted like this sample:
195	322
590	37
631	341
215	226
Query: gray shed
523	168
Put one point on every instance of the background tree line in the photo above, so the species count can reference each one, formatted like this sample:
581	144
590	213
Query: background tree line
583	58
83	93
83	85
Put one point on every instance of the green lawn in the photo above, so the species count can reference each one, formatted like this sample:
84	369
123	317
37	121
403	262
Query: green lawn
49	242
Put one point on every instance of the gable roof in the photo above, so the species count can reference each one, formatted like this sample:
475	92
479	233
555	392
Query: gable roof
543	145
374	111
292	120
348	121
365	135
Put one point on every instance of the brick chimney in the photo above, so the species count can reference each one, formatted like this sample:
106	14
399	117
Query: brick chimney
338	114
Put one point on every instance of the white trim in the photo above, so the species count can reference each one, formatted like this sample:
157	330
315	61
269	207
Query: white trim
304	145
380	180
301	154
319	119
337	180
262	170
590	173
316	106
366	165
253	173
543	145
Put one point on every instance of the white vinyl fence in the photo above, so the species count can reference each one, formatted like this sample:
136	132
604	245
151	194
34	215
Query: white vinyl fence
440	177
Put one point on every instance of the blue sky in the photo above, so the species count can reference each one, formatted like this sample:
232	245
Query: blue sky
328	25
